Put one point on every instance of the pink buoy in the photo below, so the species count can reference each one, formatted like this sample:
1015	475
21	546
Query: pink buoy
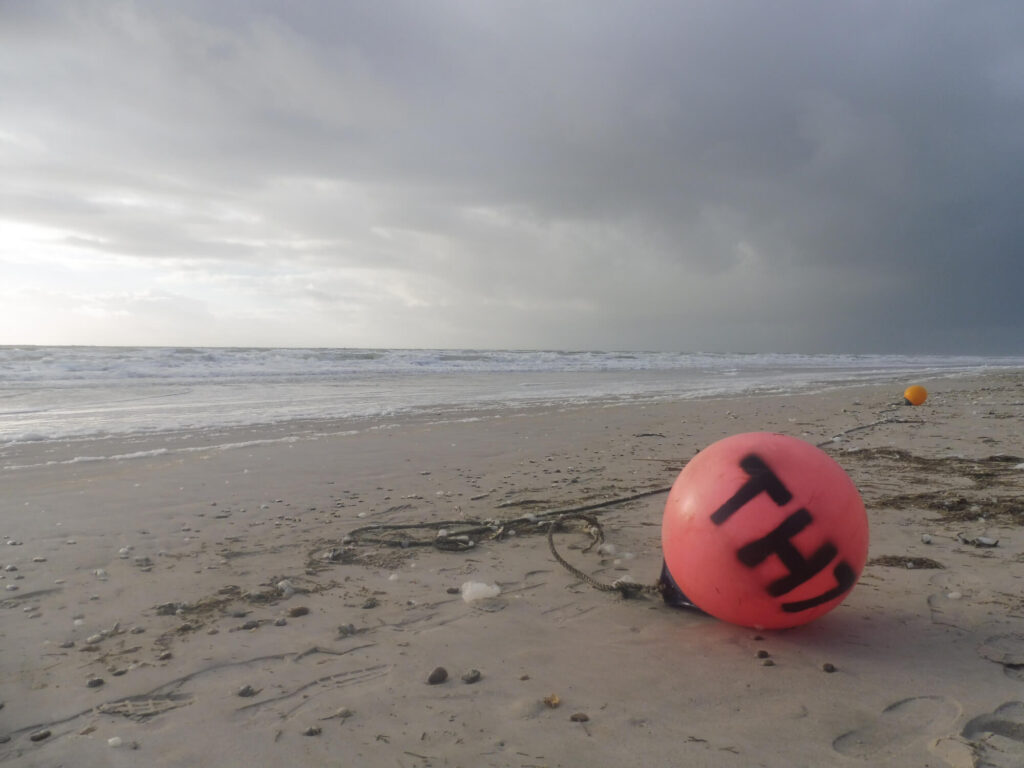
764	530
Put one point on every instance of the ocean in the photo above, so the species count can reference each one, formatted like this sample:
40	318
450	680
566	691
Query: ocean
72	393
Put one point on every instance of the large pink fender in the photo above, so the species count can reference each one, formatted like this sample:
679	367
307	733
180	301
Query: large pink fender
764	530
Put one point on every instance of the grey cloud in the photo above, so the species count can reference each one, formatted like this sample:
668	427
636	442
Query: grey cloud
792	175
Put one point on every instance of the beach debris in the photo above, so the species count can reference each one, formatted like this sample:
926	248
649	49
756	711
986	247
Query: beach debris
978	541
476	590
343	712
39	735
552	701
94	682
438	676
286	587
473	676
903	561
246	691
579	717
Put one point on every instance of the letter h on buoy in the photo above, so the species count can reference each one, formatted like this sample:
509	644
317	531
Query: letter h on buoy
779	541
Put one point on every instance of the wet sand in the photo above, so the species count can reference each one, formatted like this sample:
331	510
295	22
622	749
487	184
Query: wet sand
200	601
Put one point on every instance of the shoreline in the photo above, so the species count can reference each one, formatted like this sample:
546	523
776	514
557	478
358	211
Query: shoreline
190	548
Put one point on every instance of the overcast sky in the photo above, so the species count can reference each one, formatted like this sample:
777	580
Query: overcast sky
721	176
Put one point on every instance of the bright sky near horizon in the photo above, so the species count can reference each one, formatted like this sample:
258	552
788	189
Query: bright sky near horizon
793	177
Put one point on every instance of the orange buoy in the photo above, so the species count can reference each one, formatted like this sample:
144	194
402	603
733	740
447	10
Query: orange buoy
915	395
764	530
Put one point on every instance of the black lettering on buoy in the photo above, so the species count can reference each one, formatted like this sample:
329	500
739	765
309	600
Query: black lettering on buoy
762	480
778	542
845	579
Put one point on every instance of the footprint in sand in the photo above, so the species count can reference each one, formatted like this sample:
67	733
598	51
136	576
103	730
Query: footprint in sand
1007	650
998	737
901	724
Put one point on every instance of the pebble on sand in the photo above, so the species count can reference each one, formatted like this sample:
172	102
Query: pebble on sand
579	717
439	675
473	676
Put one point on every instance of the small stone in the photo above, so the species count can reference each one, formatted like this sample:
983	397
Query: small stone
251	624
298	610
165	656
11	587
552	700
926	538
280	622
828	667
93	639
4	739
39	735
762	654
371	602
137	630
312	731
239	614
115	742
345	630
439	675
767	663
119	672
68	644
94	682
579	717
38	559
10	568
246	691
453	590
473	676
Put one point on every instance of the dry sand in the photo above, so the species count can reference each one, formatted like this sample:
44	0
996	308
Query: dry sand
159	576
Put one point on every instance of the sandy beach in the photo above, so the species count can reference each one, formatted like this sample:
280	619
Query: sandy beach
199	601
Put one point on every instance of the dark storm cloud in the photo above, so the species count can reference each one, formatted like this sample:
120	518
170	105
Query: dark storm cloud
778	176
